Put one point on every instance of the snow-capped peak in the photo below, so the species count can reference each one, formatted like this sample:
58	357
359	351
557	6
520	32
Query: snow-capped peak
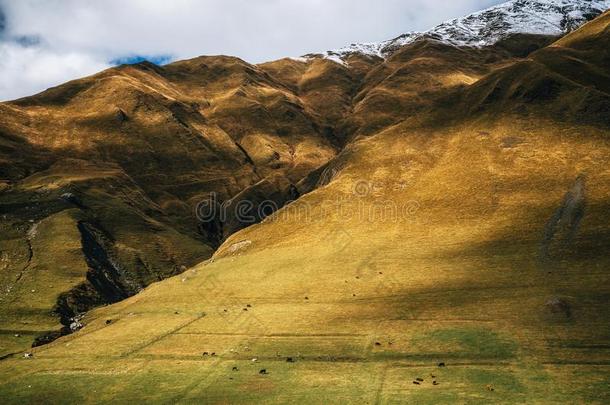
486	27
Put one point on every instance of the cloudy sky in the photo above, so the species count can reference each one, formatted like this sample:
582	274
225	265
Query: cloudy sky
47	42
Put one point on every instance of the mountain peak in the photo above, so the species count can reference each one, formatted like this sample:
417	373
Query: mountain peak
486	27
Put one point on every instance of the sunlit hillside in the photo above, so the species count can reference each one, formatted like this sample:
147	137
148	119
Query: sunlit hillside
442	233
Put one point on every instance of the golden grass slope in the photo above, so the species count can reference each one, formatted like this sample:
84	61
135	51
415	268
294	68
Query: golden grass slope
456	277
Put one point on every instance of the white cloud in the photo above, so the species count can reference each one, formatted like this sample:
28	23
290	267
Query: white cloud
27	70
80	37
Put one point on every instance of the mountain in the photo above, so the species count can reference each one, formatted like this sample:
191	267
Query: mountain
487	27
438	229
120	164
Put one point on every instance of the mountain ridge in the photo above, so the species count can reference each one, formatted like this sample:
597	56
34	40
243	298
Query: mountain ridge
487	27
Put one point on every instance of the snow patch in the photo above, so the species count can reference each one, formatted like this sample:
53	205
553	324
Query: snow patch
486	27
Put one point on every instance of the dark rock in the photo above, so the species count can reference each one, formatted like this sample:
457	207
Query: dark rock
120	115
293	193
72	198
559	306
50	337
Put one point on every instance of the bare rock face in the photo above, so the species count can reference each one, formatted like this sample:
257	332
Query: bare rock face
562	227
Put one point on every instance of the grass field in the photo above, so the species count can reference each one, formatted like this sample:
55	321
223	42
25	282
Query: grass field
342	300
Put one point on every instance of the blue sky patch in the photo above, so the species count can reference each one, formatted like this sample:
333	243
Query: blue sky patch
27	40
2	21
131	59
